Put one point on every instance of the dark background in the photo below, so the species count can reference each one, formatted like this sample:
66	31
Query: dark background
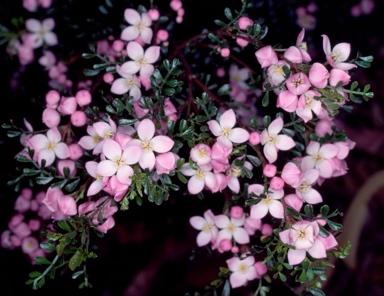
148	251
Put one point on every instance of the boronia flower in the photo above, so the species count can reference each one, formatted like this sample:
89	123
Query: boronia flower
139	26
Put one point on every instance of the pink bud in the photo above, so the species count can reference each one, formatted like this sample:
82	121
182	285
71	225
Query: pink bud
165	163
34	224
269	170
277	183
318	75
30	5
26	193
66	205
179	19
67	105
254	138
266	229
79	118
162	35
70	164
293	201
15	240
52	98
34	205
235	250
242	42
236	212
261	269
225	245
50	199
29	244
154	14
287	101
83	97
181	12
86	207
266	56
108	78
118	45
22	204
244	22
22	230
51	118
108	224
175	5
75	151
220	72
225	52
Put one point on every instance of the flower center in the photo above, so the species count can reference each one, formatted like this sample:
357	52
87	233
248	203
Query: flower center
317	157
108	134
51	146
119	162
336	56
147	146
267	200
207	227
226	132
42	32
200	174
298	82
308	101
272	139
235	171
304	187
302	234
130	82
202	152
279	70
243	268
231	227
140	26
141	61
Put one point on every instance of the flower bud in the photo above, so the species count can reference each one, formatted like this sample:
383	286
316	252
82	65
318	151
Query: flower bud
236	212
83	97
79	118
254	138
51	118
52	98
277	183
269	170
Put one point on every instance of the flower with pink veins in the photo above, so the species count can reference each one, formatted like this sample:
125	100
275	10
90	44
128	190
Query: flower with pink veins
150	144
142	61
231	228
242	269
139	26
200	177
41	32
304	237
225	132
338	54
207	226
319	157
304	187
273	142
269	204
49	146
118	161
308	104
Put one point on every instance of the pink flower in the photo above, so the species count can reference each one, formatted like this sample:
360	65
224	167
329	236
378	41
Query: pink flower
269	204
304	236
166	162
319	158
304	187
99	183
224	129
298	53
128	83
298	83
266	56
275	72
118	161
142	61
242	270
41	32
338	55
140	26
199	178
231	228
49	146
201	154
207	226
307	103
287	101
29	244
273	142
318	75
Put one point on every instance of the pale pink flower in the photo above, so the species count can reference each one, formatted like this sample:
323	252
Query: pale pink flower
231	228
200	178
287	101
201	154
337	56
207	226
139	26
41	32
233	175
308	104
318	75
304	236
128	83
298	53
269	204
29	244
49	146
319	158
48	59
142	61
118	161
304	187
298	83
275	72
224	129
166	162
91	141
107	224
273	142
99	183
116	188
291	174
242	269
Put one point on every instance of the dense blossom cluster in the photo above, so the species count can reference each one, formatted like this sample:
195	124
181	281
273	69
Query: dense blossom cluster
145	143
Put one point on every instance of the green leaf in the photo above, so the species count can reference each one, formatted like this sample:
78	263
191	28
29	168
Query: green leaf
254	160
220	23
42	260
125	122
324	210
12	134
308	210
34	274
265	101
316	292
224	90
43	180
71	186
64	225
334	226
169	91
91	72
226	289
30	172
47	246
303	276
77	274
266	121
75	260
88	55
228	13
